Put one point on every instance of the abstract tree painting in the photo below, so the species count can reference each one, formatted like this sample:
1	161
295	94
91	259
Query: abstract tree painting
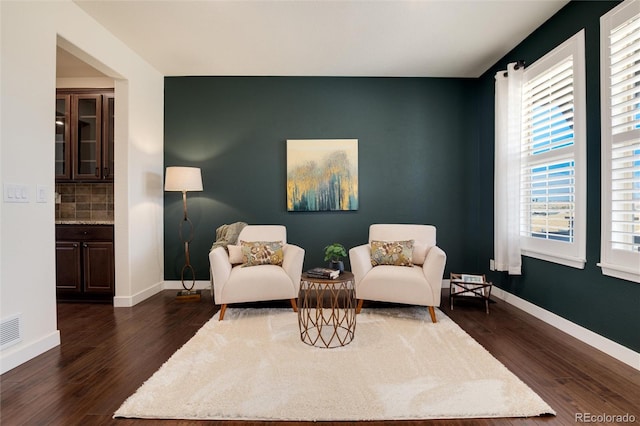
322	174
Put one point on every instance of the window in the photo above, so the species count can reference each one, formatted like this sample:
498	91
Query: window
553	166
620	86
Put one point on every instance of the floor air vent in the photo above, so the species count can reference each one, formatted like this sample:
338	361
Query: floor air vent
10	331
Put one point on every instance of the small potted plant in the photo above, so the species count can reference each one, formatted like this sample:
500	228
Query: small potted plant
334	253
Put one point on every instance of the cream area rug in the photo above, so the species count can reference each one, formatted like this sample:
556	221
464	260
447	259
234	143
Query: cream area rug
253	366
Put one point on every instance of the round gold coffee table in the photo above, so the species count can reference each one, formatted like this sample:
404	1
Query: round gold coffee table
327	310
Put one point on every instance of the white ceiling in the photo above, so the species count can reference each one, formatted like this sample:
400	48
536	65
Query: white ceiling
68	65
428	38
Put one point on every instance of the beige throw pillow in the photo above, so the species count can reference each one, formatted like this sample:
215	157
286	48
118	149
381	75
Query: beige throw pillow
235	254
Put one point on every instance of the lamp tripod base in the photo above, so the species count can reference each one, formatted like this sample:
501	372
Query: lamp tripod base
189	295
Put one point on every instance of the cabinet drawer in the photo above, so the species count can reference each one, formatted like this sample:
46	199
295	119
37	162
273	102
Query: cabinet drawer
84	232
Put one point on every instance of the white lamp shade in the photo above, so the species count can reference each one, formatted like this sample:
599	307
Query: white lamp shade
183	179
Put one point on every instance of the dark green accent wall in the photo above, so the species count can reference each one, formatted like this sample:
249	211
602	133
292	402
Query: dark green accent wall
605	305
412	134
426	155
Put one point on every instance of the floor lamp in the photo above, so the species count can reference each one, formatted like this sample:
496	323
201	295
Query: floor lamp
185	179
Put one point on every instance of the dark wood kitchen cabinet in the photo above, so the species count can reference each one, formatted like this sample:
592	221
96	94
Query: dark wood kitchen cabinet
84	135
85	262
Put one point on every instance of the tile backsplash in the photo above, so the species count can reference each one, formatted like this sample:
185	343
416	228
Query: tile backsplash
84	201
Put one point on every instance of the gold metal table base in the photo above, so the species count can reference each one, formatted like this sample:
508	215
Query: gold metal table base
327	311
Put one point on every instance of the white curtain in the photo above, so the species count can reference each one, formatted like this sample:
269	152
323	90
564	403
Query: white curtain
507	254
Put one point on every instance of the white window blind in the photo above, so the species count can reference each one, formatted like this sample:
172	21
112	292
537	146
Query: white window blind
553	162
553	156
620	40
547	150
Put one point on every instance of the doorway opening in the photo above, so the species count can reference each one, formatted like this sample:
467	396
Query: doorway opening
84	178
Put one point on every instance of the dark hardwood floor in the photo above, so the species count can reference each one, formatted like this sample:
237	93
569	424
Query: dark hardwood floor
107	353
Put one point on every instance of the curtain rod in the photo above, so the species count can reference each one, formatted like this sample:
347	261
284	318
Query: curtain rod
519	63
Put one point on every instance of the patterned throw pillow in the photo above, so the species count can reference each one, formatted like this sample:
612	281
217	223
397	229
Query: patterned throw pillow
397	253
262	253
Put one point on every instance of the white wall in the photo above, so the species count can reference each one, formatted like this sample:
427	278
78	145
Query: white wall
85	82
29	32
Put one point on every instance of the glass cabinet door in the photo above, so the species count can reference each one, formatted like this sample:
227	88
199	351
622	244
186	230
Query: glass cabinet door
88	136
108	137
62	141
84	135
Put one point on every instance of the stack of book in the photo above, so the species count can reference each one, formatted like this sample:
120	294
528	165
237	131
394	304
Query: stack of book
325	273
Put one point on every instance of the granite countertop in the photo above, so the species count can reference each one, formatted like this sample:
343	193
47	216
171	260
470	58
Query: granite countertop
83	222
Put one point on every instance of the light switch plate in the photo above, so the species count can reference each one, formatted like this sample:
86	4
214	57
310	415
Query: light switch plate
42	193
16	193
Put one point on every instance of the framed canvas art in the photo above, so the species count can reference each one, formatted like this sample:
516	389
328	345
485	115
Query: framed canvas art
322	174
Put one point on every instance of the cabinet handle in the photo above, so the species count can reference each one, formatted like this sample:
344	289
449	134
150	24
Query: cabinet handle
105	172
97	172
85	245
75	245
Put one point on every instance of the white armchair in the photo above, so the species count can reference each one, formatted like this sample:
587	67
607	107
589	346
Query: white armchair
235	283
419	284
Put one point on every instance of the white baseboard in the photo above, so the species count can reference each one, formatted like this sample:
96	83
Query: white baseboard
17	355
129	301
611	348
177	285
